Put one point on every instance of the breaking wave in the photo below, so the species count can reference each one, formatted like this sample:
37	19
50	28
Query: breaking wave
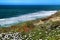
26	17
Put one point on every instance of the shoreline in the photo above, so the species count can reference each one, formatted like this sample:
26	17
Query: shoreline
46	28
32	16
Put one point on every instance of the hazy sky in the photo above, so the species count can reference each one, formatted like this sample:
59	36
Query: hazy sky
29	2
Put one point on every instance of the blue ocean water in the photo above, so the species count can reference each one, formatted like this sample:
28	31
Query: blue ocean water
10	14
7	11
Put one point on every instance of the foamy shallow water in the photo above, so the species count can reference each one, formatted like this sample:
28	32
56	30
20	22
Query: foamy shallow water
26	17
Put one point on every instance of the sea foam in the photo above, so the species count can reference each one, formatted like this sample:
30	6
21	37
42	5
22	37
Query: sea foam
26	17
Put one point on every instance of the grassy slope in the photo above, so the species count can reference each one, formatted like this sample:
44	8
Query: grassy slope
45	28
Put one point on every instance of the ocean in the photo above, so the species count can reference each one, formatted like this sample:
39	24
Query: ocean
10	14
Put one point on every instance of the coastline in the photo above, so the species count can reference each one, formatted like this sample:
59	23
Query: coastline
41	29
27	17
